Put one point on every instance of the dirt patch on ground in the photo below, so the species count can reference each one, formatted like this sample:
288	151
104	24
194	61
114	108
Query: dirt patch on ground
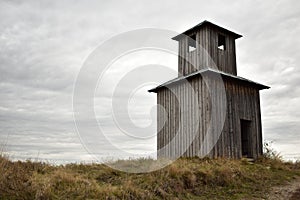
291	191
296	195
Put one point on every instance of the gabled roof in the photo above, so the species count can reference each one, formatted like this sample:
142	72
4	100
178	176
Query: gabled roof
202	24
209	70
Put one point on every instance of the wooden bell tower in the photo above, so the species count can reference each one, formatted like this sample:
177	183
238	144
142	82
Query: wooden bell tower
203	50
206	45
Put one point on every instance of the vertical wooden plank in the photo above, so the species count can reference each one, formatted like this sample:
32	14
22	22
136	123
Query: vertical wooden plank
239	132
219	125
236	117
202	120
201	50
205	47
253	119
168	120
184	67
166	123
158	135
207	120
213	114
162	124
187	127
225	129
229	63
185	56
194	110
181	118
174	121
197	64
178	119
204	98
189	111
185	120
197	114
180	58
259	127
171	122
234	58
230	118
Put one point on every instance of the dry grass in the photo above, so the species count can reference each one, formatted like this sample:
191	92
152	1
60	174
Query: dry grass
184	179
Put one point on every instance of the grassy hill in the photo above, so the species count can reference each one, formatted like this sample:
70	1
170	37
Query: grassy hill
184	179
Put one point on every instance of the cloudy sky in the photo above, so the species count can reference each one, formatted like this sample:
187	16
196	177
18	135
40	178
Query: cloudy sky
43	45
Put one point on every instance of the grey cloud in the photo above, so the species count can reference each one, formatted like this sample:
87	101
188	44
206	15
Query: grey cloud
44	43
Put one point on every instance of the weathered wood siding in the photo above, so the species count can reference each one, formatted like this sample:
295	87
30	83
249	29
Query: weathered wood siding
207	53
242	103
241	100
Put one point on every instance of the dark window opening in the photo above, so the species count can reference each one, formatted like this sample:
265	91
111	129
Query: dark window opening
245	138
221	42
192	43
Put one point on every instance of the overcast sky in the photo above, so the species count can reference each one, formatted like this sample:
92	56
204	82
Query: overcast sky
43	45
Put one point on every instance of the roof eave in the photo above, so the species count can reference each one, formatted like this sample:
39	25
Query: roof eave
229	76
185	33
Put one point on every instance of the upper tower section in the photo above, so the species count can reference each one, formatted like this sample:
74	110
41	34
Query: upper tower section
206	45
